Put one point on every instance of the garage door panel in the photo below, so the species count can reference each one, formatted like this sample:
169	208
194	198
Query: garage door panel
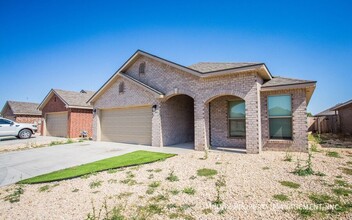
128	125
56	124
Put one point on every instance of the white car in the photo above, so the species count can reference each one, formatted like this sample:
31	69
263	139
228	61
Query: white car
20	130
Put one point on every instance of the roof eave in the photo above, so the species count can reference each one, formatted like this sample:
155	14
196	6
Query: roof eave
48	96
80	107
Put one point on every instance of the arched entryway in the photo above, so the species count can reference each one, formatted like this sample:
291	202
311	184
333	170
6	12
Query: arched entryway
227	122
177	121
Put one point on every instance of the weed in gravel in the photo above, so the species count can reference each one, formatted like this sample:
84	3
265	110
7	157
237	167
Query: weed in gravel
206	172
320	198
129	181
319	173
172	177
347	171
206	154
207	211
288	157
174	191
342	183
222	211
342	191
15	196
113	214
189	190
265	168
339	177
129	175
305	213
75	190
150	191
171	206
154	184
151	176
290	184
44	188
281	197
304	170
95	184
112	171
159	198
314	148
154	209
157	170
333	154
193	177
112	181
124	195
219	185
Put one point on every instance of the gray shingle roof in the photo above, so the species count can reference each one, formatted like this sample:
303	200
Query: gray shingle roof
73	98
205	67
24	108
281	81
336	107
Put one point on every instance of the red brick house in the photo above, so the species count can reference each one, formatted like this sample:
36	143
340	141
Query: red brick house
22	112
345	116
66	113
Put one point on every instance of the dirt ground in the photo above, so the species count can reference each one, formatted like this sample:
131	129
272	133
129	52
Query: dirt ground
246	186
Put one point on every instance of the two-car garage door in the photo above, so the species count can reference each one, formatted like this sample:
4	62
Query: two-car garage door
127	125
56	124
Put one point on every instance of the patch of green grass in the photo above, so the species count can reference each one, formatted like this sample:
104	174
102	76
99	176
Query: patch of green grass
159	198
154	184
305	213
172	177
154	209
15	196
320	198
206	172
207	211
189	190
129	159
150	191
174	191
314	148
44	188
290	184
333	154
342	183
157	170
218	163
95	184
110	171
281	197
342	191
347	171
265	168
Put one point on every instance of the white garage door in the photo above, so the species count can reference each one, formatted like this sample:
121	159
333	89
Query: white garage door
127	125
56	124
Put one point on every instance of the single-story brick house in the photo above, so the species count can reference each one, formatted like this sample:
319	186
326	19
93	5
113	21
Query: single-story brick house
66	113
153	101
22	112
345	117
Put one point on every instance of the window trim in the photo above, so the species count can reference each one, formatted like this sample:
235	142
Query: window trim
279	117
235	119
141	68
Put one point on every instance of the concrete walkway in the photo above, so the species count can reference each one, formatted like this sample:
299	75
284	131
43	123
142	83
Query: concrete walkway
15	166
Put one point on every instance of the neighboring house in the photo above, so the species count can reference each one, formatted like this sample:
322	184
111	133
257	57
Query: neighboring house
66	113
22	112
345	116
153	101
326	121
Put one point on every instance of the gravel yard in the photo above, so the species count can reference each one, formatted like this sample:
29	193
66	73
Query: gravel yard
243	188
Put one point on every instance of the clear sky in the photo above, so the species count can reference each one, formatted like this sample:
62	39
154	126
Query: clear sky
77	45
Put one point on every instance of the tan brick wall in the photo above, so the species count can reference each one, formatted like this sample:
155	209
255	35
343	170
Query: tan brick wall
299	140
345	114
30	119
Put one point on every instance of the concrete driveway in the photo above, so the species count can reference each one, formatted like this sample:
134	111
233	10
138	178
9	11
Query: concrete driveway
18	165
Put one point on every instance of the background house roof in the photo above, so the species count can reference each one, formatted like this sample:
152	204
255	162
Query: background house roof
73	98
205	67
336	107
281	81
24	108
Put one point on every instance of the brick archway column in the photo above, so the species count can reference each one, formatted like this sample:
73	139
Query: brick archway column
253	120
201	121
156	126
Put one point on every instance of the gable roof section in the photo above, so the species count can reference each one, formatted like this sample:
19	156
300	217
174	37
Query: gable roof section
260	67
278	83
338	106
22	108
72	99
208	67
133	80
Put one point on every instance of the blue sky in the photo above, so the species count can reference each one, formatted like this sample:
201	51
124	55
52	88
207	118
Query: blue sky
77	45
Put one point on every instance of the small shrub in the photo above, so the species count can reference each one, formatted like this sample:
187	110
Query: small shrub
290	184
342	191
306	170
95	184
333	154
288	157
281	197
189	191
154	184
172	177
15	196
219	184
44	188
206	172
